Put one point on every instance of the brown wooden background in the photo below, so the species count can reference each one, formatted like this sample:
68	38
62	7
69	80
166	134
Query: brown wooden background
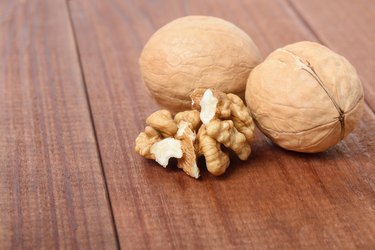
72	102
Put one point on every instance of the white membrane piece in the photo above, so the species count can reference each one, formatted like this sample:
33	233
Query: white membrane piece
208	105
165	149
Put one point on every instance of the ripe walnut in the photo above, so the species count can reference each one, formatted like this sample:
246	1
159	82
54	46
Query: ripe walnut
196	51
305	97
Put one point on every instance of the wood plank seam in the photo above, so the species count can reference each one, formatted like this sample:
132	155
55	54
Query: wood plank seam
303	21
51	188
92	121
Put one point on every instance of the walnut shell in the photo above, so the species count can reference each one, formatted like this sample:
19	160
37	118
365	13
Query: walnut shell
196	51
305	97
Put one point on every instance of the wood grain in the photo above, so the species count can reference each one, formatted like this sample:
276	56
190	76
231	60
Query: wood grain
277	199
52	192
348	27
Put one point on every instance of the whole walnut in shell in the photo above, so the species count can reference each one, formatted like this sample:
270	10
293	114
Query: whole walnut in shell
305	97
196	51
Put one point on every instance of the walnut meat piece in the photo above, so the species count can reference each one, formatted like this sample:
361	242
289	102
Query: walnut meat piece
211	103
166	138
196	51
166	149
188	162
157	141
189	116
216	160
145	140
151	145
225	133
305	97
162	121
241	117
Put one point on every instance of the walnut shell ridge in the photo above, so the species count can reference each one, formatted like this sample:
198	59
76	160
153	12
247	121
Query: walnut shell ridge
193	52
305	97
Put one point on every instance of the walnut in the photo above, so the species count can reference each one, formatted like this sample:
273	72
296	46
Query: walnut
305	97
196	51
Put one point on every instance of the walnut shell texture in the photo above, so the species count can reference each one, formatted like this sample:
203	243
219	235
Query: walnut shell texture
196	51
305	97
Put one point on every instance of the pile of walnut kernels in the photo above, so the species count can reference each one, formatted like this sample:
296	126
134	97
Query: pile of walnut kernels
216	119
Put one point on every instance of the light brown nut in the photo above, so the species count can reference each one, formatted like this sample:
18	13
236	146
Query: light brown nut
163	122
241	117
188	162
225	133
305	97
216	160
145	140
190	116
196	51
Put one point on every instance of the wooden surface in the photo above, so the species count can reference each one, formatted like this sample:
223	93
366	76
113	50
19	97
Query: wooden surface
52	190
72	102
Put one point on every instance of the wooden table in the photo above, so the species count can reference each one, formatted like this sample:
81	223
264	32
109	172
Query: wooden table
72	102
